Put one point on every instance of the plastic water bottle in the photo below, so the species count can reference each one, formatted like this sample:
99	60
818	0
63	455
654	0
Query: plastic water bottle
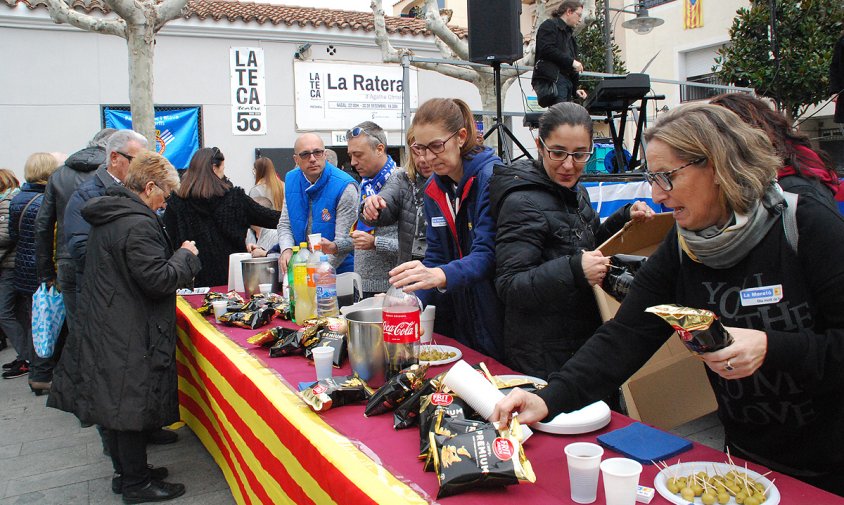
291	296
400	314
304	304
313	263
326	289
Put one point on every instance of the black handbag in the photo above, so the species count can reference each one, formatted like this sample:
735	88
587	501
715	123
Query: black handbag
544	82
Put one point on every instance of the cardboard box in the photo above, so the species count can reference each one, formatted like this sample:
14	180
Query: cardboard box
671	388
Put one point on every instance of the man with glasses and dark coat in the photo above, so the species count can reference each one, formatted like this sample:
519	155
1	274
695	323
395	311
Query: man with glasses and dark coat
318	198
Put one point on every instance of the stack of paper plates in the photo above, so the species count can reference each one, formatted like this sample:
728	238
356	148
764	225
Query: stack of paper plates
589	418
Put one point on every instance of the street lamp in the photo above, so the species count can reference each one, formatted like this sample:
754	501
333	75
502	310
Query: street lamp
641	24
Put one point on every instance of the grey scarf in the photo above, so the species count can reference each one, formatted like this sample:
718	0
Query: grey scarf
725	247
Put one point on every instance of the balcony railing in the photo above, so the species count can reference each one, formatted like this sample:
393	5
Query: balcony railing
690	93
654	3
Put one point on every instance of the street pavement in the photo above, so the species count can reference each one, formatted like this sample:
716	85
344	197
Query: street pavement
46	458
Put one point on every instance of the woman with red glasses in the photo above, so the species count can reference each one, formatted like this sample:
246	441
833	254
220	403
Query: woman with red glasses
459	263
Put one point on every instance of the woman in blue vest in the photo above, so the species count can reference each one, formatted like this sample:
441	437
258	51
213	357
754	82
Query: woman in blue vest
215	214
459	264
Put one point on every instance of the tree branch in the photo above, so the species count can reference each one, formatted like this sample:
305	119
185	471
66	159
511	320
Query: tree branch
435	23
167	11
389	54
60	12
128	10
462	73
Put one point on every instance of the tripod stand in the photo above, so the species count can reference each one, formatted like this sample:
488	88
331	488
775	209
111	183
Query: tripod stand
499	126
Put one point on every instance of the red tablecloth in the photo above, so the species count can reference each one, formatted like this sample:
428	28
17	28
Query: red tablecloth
273	449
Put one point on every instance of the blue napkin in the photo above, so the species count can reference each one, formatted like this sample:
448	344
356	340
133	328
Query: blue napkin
643	443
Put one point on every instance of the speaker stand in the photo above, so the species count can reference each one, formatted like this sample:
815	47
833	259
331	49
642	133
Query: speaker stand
498	125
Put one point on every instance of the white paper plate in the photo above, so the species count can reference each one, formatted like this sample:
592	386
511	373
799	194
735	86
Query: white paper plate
442	348
590	418
707	466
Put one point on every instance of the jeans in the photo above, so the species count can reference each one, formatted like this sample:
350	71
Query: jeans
9	322
129	456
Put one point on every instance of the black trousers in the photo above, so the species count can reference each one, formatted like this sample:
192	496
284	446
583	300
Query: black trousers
129	456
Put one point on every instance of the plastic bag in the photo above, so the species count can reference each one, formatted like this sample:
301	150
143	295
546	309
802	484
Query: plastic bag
47	319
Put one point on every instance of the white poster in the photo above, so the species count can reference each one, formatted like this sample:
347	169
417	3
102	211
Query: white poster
337	96
249	112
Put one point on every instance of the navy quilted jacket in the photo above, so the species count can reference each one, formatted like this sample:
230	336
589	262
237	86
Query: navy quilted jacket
26	278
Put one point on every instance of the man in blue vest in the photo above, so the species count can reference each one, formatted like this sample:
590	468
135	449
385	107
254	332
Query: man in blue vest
318	198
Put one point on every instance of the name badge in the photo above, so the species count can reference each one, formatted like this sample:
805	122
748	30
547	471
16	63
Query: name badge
761	296
438	221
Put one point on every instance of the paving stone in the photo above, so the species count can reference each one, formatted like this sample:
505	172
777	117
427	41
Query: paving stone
74	494
59	478
10	450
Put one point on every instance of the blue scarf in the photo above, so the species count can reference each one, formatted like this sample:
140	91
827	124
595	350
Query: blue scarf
372	186
9	192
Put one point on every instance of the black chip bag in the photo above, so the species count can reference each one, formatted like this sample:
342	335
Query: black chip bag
480	459
407	414
450	404
248	319
234	299
619	278
396	390
288	345
336	392
446	427
269	337
699	329
328	338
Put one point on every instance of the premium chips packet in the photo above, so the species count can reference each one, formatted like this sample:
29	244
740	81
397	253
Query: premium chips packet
623	268
289	345
336	392
699	329
235	301
407	414
331	332
269	338
446	427
396	390
482	458
275	301
429	407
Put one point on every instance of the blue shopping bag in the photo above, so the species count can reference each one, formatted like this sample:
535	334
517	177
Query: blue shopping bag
47	319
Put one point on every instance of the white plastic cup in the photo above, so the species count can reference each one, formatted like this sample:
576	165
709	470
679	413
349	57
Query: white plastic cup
220	307
584	460
426	320
621	478
265	289
313	239
324	361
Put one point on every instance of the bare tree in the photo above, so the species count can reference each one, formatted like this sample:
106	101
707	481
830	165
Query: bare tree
452	47
138	21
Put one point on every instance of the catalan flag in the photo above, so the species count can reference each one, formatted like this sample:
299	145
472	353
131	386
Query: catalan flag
692	14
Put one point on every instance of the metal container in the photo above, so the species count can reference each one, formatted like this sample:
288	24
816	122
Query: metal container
260	271
366	345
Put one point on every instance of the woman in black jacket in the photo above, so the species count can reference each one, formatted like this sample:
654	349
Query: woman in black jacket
546	264
128	315
209	210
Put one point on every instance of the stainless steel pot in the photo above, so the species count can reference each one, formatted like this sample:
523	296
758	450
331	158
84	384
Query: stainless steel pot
260	271
366	345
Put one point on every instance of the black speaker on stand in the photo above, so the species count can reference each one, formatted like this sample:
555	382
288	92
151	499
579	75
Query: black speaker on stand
495	38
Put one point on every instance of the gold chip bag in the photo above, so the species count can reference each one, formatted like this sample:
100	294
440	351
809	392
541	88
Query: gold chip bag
336	392
699	329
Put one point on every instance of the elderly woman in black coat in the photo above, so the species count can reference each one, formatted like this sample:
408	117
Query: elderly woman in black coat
128	315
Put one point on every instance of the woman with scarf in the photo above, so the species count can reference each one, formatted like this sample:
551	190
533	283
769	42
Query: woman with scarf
780	384
459	264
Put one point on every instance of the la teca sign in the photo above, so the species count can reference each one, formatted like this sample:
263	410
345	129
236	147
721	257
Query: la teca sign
249	110
336	96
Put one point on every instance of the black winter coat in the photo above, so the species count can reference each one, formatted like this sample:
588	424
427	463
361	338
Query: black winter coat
219	226
49	225
549	307
127	312
22	230
555	42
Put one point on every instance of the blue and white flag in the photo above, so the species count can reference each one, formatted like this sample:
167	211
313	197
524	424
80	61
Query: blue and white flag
176	132
608	197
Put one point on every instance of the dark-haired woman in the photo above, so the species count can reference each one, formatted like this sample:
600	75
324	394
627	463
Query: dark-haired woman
544	246
459	262
267	183
209	210
804	169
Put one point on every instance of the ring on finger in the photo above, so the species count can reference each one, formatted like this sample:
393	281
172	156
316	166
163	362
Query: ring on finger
729	366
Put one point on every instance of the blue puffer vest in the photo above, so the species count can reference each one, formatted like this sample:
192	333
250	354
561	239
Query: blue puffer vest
23	230
324	195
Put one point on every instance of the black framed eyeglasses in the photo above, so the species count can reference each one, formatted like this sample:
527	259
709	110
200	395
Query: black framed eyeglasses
562	154
435	147
663	179
316	153
128	158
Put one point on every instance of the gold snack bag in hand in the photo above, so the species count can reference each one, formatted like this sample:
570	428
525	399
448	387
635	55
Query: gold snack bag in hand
699	329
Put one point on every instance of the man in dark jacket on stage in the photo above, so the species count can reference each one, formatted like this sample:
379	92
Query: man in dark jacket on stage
556	45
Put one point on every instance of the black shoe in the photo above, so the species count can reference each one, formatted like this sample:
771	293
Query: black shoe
21	369
162	437
155	473
11	364
156	490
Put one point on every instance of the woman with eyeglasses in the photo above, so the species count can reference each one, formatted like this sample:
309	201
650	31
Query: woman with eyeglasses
544	245
780	384
210	210
127	308
459	263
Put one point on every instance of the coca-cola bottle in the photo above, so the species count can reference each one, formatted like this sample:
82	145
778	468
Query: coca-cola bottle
401	330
